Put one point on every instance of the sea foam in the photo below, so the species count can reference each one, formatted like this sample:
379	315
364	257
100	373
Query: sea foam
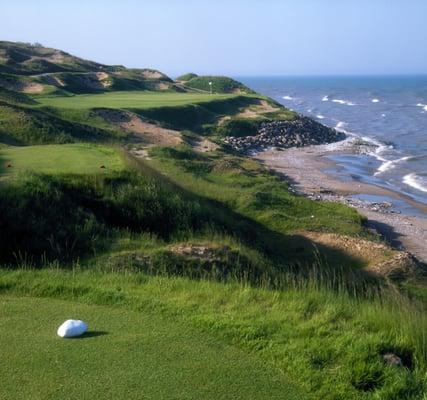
390	164
340	126
415	181
344	102
287	98
375	100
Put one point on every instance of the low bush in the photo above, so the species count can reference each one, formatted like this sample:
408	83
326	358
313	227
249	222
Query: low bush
239	127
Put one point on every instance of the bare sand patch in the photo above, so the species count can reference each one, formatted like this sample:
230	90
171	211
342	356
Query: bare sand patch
205	146
142	131
152	74
53	80
380	259
253	111
32	87
22	86
103	79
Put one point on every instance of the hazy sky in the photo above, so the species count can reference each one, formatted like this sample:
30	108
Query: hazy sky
235	37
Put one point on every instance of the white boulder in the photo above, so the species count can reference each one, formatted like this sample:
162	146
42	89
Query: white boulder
72	328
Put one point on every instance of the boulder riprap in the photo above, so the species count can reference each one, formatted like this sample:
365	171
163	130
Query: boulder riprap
302	131
72	328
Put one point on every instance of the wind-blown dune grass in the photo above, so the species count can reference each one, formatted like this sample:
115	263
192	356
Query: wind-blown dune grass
243	184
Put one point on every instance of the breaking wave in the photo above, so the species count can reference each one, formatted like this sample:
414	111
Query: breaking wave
390	164
340	126
344	102
416	181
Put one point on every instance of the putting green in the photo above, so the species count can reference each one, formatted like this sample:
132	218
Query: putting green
126	355
79	158
130	99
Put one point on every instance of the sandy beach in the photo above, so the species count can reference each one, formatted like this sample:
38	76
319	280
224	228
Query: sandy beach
306	169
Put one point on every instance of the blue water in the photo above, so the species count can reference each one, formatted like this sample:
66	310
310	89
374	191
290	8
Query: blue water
385	116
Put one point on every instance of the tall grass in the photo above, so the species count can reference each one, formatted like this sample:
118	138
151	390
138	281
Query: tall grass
66	217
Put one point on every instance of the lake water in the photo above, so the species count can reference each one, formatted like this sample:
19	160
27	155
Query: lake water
385	116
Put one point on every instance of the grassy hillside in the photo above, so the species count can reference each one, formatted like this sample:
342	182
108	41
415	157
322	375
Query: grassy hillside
217	114
23	125
30	59
10	96
245	186
186	77
201	273
32	68
220	84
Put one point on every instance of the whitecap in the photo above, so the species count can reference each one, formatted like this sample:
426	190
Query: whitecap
373	147
325	98
375	100
343	145
390	164
380	147
383	115
320	116
344	102
340	126
414	181
287	98
424	106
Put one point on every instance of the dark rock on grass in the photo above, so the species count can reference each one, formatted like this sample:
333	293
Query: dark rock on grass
284	134
398	357
392	359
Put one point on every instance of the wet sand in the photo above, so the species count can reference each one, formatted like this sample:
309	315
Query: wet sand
304	168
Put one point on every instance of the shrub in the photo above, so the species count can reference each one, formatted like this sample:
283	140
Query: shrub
239	127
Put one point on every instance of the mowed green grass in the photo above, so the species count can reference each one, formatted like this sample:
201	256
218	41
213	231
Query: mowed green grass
185	331
60	159
131	99
126	355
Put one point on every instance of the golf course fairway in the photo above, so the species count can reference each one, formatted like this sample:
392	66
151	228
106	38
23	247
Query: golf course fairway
75	158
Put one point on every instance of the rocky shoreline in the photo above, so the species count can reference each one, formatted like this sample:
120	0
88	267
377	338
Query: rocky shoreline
383	207
300	132
304	170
